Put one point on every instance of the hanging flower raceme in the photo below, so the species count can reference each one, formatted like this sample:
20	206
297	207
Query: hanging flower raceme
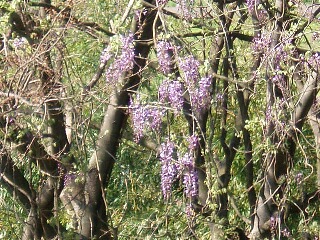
200	97
105	55
123	63
20	43
190	175
314	62
144	117
185	7
164	54
199	88
168	168
172	92
190	67
261	43
193	141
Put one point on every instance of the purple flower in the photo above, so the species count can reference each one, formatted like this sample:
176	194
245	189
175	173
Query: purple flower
190	67
261	43
314	61
279	80
172	92
273	224
154	118
122	63
20	43
190	181
164	54
253	9
190	175
298	178
193	142
139	117
189	211
69	178
315	36
168	168
285	232
252	4
185	6
280	54
199	89
144	118
200	97
105	55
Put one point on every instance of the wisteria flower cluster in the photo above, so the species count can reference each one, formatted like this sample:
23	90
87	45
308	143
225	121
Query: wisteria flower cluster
261	43
314	61
281	55
279	80
199	88
173	168
164	54
315	36
252	5
185	7
105	55
254	9
144	117
190	175
20	43
169	169
123	63
172	92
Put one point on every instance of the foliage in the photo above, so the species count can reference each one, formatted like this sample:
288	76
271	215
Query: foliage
159	119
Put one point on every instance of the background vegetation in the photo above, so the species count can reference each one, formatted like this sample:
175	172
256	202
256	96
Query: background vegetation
80	96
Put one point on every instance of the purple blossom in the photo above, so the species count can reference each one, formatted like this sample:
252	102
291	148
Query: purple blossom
314	61
298	178
273	224
122	63
199	89
262	15
285	232
269	114
252	4
190	181
261	43
190	175
279	80
69	178
139	117
315	36
193	141
20	43
168	168
190	67
219	97
200	97
105	55
253	9
185	6
189	211
281	54
144	118
154	118
164	54
172	92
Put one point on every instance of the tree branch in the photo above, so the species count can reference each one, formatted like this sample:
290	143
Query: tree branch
13	178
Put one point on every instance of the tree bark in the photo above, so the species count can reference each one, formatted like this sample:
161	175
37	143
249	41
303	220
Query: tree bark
102	161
